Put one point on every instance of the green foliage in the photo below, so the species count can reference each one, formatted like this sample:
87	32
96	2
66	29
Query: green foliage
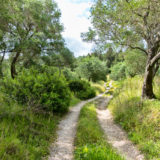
43	88
112	22
92	68
99	87
135	62
74	101
90	141
69	75
25	134
110	57
139	118
82	89
129	24
64	58
28	32
118	71
87	93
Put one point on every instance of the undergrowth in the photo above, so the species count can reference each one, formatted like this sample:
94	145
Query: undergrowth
25	134
98	86
90	141
74	101
141	119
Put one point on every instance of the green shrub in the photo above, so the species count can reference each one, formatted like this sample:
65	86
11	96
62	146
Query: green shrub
69	75
118	71
44	88
25	134
86	94
82	89
77	85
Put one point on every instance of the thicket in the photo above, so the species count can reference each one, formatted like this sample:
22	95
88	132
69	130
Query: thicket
44	89
25	134
82	89
70	75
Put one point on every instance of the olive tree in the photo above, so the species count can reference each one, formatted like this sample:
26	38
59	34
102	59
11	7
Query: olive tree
130	23
29	28
92	68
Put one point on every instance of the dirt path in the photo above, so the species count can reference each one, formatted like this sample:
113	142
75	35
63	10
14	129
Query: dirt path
115	135
63	148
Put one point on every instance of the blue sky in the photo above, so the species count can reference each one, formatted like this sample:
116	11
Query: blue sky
75	18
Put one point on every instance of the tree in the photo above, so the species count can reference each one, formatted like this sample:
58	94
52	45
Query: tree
135	62
92	68
31	28
65	58
3	53
110	57
118	71
134	24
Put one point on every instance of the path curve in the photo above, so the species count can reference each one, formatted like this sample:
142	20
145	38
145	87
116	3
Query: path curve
63	148
115	135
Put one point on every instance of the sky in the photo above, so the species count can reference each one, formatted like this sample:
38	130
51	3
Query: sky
75	18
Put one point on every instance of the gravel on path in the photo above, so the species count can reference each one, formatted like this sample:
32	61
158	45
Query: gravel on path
63	148
116	136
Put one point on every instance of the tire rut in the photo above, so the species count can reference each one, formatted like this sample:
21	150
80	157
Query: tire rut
63	148
115	135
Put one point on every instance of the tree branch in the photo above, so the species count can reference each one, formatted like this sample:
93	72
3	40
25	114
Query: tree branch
132	47
155	59
139	48
155	69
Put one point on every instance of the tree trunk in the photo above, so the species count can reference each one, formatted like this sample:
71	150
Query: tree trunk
1	72
1	61
13	65
147	90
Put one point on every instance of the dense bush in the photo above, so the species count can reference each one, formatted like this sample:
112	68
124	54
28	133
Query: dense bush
43	88
82	89
69	75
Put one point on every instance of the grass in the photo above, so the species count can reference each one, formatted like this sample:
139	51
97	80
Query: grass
74	101
24	134
99	87
90	141
141	119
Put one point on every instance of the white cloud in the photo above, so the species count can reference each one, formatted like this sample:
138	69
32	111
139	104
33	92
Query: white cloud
75	15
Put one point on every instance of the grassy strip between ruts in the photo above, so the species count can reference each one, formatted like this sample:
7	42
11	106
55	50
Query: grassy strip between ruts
90	143
140	119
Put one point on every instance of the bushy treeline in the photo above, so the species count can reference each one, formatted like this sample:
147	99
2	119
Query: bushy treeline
117	64
36	67
121	64
45	89
132	63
